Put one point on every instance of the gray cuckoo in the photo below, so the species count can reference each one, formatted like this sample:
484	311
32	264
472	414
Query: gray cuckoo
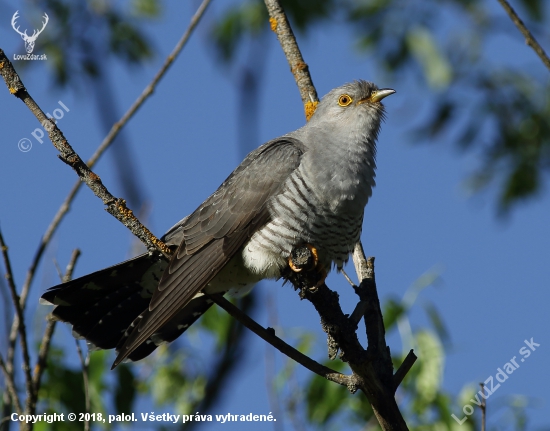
307	187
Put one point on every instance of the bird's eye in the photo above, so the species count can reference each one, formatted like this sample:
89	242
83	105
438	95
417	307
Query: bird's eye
344	100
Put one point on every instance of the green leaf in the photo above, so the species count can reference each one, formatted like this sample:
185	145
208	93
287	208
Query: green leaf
437	69
431	358
146	8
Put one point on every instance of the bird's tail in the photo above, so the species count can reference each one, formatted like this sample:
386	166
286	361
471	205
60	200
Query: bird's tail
103	306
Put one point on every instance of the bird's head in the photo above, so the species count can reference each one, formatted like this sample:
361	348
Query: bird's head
354	108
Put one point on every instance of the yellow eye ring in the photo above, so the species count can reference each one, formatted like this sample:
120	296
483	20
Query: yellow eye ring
345	100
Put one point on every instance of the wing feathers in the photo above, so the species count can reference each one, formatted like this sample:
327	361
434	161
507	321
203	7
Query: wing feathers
215	232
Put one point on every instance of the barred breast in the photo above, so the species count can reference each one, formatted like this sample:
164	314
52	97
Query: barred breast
300	216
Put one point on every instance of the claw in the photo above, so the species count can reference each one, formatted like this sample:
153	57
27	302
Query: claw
299	260
292	266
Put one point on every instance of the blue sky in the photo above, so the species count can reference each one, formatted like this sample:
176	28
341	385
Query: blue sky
494	274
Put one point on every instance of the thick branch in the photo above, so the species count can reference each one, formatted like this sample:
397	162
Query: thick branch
372	368
529	38
269	336
374	321
298	67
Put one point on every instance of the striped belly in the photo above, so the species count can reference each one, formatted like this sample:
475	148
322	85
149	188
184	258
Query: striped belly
298	218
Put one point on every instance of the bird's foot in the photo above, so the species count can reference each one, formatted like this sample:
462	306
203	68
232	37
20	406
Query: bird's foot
301	258
307	258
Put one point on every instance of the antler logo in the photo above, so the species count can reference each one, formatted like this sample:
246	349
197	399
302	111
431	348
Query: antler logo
29	40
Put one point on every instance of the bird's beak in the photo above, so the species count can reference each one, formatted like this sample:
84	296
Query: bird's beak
377	95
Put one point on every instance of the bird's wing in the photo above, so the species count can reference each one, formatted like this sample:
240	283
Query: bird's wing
215	232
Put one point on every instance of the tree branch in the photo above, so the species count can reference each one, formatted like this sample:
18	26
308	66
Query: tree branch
529	38
404	368
372	368
269	336
298	67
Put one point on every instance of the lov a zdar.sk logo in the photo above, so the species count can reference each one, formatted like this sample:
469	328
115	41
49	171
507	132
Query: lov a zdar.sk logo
29	40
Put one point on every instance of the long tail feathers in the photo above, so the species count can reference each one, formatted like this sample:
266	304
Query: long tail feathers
167	333
104	306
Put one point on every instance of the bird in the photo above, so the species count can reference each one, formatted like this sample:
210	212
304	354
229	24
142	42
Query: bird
308	187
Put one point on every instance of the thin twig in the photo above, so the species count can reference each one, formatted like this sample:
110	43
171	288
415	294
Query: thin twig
12	390
346	276
298	67
85	362
20	317
47	337
43	354
529	38
6	304
9	274
286	349
58	268
70	266
404	368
